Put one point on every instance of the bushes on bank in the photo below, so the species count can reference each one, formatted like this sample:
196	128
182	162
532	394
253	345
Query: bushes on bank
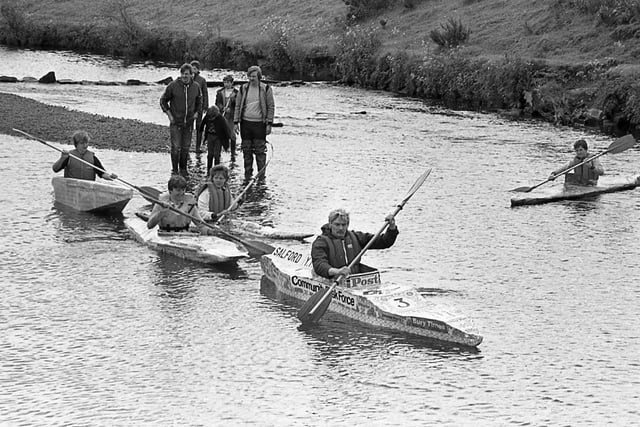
456	80
356	54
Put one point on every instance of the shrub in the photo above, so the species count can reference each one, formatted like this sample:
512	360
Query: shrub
14	24
632	106
277	42
356	53
453	34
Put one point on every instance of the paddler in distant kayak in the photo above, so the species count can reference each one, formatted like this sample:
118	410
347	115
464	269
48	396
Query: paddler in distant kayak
586	174
333	251
74	168
167	219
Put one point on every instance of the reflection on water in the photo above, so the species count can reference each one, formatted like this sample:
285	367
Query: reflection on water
73	226
582	208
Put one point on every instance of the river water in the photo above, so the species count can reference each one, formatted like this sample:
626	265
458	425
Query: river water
99	330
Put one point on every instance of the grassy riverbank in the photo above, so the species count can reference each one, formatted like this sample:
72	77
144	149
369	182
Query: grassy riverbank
571	62
57	124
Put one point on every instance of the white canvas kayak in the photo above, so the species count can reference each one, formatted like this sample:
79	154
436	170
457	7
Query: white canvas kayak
366	299
253	229
90	196
576	192
186	245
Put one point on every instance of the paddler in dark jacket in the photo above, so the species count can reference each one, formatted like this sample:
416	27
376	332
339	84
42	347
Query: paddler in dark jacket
74	168
586	174
333	251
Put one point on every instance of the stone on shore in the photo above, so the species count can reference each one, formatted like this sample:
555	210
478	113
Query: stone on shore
50	77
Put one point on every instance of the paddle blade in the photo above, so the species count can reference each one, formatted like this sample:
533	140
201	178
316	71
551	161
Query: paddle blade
322	297
621	144
522	189
257	249
149	193
416	186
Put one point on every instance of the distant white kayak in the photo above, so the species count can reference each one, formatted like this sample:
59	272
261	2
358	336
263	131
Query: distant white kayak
186	245
254	229
556	193
90	196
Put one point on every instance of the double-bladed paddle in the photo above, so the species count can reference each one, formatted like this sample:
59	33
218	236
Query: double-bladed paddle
617	146
255	249
315	307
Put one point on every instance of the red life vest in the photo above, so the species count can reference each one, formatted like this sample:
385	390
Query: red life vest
78	170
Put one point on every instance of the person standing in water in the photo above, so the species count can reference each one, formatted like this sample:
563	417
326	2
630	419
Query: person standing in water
181	100
202	82
253	117
226	103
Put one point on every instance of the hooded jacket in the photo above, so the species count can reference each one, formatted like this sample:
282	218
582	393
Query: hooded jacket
183	100
329	251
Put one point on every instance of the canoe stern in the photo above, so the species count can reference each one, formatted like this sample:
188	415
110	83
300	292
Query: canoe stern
90	196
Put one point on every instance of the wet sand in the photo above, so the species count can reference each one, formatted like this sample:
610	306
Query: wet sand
57	124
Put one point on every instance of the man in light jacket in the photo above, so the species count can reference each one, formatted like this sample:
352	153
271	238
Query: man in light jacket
253	116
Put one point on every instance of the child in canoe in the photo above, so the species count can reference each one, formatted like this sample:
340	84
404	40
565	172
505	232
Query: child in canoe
71	161
586	174
214	197
166	218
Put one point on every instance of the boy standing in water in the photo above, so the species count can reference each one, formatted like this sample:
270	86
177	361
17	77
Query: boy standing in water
226	103
217	134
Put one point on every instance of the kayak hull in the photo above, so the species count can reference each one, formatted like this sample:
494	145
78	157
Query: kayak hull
366	299
185	245
90	196
576	192
253	229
